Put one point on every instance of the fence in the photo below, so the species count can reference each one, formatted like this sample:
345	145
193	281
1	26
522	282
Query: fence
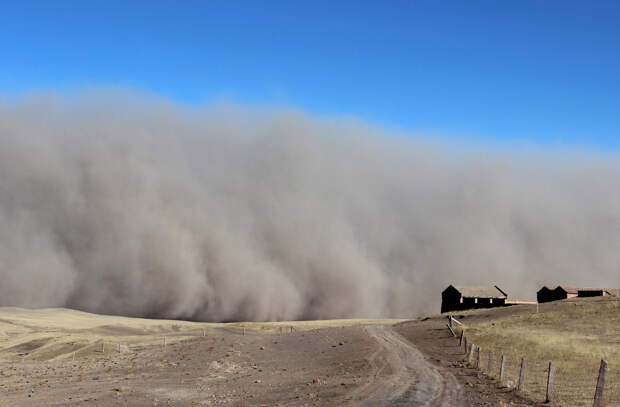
578	382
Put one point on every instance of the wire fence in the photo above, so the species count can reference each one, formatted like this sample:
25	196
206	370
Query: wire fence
577	381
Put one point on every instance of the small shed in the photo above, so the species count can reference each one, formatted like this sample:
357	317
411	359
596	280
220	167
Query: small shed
562	292
455	298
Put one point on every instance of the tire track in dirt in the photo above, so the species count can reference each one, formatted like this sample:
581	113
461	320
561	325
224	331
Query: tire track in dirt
413	380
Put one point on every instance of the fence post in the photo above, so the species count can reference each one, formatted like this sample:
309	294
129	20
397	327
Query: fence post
521	384
204	332
477	362
164	342
465	343
462	336
550	377
73	357
470	354
119	347
102	347
490	366
502	364
243	331
600	384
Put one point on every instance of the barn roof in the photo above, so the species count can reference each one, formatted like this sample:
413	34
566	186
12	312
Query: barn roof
571	289
481	291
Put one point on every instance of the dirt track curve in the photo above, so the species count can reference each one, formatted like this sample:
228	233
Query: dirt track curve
414	381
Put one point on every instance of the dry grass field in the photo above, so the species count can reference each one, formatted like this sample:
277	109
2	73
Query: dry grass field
53	333
320	363
295	363
575	334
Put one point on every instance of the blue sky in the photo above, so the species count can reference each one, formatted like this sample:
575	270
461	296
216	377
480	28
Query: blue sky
539	72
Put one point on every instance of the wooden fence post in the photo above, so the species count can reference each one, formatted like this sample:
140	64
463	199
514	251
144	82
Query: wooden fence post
550	378
470	354
521	384
465	345
502	364
462	336
102	347
600	384
477	362
204	332
451	330
490	366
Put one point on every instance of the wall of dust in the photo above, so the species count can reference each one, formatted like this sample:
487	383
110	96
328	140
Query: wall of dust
116	203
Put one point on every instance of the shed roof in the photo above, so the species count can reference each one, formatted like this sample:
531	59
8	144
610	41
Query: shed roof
481	291
613	291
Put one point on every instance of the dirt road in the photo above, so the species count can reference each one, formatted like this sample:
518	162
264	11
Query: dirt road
414	381
431	337
56	358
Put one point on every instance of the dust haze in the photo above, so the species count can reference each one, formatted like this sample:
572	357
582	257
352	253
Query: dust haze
120	204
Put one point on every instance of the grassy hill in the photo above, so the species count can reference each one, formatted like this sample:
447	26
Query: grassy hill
575	334
52	333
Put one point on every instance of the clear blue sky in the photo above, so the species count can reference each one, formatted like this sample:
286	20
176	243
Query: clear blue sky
536	71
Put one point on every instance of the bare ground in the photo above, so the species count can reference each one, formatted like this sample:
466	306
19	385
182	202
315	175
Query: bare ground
414	381
369	364
318	367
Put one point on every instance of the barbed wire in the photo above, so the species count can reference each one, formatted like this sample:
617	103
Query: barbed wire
574	380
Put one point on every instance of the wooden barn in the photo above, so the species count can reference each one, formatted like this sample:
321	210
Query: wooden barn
456	298
562	292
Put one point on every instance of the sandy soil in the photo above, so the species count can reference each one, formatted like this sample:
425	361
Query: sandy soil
299	368
321	363
307	363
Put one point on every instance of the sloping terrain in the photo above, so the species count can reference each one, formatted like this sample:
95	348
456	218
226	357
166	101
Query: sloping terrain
58	357
574	334
55	357
55	333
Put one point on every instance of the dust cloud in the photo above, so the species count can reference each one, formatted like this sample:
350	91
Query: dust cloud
121	204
